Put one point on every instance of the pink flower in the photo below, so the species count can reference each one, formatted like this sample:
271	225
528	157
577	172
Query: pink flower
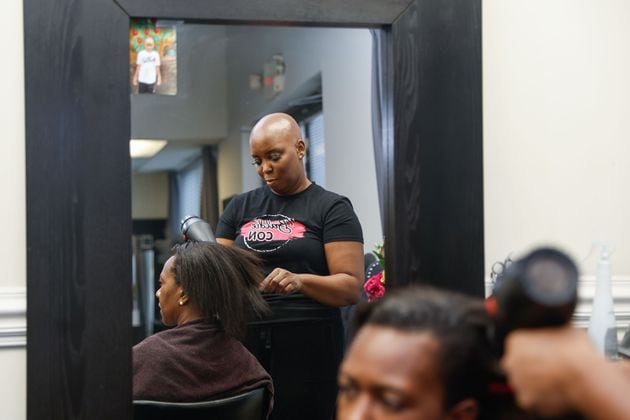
374	286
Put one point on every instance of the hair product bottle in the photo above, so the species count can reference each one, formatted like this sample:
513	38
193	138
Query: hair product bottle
602	327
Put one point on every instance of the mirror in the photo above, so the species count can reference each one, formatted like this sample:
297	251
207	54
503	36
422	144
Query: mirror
223	90
229	77
78	201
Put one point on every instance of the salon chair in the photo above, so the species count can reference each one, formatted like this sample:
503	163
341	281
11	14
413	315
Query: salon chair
251	405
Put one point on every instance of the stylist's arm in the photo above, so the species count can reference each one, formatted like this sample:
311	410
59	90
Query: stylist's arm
340	288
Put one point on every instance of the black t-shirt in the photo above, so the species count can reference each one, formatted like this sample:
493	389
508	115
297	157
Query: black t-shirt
290	231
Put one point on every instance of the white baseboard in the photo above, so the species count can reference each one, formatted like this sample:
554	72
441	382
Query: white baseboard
12	317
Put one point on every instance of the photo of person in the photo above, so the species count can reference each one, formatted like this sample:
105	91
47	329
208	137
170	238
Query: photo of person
147	74
152	57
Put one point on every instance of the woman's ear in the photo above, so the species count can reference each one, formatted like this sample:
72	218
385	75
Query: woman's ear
467	409
183	297
301	147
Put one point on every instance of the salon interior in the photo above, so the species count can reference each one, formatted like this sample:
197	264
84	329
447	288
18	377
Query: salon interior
313	74
553	157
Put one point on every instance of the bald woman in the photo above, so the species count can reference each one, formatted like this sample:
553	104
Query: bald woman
311	243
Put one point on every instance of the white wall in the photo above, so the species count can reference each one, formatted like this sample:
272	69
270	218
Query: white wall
343	58
556	130
557	126
350	168
13	218
13	384
12	165
150	195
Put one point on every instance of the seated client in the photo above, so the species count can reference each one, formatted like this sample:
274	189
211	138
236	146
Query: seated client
206	291
419	353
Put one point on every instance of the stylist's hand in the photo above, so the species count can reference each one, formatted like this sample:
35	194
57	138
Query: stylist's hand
281	281
548	368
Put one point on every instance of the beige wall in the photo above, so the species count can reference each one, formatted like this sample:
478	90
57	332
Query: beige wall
150	195
12	168
556	97
13	209
229	171
13	384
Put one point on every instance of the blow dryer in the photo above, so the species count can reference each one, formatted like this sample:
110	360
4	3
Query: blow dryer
196	229
538	290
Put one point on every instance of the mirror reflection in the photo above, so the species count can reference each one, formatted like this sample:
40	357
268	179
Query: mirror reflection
228	78
153	57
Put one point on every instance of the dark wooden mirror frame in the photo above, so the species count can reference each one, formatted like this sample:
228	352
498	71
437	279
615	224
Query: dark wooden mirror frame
78	171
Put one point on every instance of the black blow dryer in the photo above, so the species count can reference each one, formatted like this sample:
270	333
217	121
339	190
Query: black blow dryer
196	229
538	290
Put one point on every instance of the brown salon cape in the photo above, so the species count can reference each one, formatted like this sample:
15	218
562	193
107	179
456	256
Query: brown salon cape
194	362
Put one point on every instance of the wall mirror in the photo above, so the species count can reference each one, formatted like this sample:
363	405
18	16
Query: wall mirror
229	76
78	176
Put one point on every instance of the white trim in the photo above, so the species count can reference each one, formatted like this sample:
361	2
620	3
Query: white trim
12	317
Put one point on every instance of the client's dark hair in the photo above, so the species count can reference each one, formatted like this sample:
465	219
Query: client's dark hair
221	282
459	324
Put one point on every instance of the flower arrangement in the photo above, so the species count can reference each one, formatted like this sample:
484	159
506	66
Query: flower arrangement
375	285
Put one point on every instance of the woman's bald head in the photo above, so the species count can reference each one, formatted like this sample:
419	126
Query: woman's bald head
277	150
279	126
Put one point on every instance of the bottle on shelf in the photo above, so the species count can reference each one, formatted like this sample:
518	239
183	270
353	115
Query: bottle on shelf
602	327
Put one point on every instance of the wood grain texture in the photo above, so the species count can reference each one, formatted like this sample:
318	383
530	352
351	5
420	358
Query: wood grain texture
435	215
348	13
78	210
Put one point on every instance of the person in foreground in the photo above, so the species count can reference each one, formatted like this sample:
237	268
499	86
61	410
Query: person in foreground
554	371
206	292
311	244
419	354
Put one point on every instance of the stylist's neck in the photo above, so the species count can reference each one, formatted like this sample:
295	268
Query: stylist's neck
297	187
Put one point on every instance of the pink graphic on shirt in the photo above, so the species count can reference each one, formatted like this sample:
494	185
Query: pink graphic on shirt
272	227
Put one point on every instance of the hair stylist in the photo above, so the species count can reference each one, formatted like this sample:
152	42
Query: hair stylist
311	244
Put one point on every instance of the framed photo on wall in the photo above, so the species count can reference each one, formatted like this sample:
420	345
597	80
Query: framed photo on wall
152	57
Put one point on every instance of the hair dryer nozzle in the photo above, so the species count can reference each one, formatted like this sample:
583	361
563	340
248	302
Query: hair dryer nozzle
539	290
195	229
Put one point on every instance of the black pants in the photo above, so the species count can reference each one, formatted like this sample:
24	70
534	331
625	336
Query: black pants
301	348
146	87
